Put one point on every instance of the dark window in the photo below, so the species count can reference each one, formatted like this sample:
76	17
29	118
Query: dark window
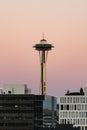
67	107
61	107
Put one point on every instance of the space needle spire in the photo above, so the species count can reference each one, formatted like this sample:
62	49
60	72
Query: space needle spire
43	47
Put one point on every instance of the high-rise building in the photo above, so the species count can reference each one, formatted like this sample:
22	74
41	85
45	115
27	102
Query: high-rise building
20	110
73	109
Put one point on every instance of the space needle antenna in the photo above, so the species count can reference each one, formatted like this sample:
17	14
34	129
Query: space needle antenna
43	35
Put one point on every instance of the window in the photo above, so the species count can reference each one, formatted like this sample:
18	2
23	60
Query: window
83	99
71	107
78	107
82	106
69	121
82	128
67	107
64	114
83	121
64	107
69	114
60	114
86	107
86	121
84	114
76	114
77	99
65	100
73	114
62	121
73	99
73	121
69	99
80	114
62	100
61	107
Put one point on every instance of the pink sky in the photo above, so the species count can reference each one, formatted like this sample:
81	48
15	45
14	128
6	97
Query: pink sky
64	23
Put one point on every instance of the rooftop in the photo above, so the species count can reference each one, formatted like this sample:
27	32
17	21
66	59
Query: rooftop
75	93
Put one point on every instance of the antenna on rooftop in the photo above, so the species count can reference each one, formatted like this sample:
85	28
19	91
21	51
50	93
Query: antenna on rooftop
43	35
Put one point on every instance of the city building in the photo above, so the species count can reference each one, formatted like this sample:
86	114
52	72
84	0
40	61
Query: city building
73	109
20	110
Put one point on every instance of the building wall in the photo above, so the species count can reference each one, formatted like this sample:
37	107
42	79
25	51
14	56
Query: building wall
16	112
73	110
26	111
16	89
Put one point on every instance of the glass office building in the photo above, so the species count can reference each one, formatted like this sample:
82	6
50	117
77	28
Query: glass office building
27	111
45	111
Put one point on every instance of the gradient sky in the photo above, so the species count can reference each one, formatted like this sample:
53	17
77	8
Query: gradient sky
64	23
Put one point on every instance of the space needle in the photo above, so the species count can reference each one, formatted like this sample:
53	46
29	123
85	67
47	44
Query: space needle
43	47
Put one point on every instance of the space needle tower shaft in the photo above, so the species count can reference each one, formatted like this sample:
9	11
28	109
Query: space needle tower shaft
43	59
43	47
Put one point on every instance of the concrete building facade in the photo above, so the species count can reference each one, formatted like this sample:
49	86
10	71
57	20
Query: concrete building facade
73	109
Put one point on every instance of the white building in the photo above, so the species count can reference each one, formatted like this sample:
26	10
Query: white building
15	89
73	109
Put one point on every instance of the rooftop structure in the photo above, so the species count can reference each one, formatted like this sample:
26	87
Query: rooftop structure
15	89
43	47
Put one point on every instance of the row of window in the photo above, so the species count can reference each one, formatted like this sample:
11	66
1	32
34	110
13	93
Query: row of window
74	107
21	97
16	111
16	104
73	114
15	118
74	121
17	97
16	124
73	99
